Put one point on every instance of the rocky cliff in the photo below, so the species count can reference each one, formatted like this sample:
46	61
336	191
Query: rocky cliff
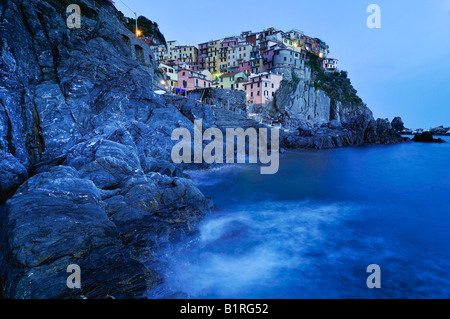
323	110
88	142
85	145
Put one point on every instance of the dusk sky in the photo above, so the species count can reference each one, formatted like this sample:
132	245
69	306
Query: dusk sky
402	69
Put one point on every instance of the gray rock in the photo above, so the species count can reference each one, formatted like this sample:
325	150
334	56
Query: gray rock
56	219
77	109
397	124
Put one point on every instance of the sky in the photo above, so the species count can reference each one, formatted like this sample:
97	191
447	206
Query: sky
401	69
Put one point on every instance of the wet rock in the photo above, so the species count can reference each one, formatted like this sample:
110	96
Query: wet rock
426	137
335	124
78	112
56	219
397	124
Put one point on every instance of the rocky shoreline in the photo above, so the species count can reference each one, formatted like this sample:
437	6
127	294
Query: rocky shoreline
436	131
85	156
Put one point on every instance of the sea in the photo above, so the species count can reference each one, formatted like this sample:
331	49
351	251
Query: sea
313	230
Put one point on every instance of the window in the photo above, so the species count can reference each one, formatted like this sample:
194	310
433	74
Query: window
273	86
265	84
184	73
257	93
251	94
285	58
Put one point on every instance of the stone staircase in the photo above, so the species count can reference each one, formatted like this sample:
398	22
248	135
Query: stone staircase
229	119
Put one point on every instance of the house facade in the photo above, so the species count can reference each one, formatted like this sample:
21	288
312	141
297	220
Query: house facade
232	81
189	80
261	88
330	65
171	76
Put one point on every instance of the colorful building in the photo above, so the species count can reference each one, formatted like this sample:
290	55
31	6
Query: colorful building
188	54
189	80
223	59
172	51
160	52
261	88
202	55
232	81
239	54
170	75
212	59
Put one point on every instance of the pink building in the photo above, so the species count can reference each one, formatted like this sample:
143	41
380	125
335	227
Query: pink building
261	87
245	67
268	59
190	80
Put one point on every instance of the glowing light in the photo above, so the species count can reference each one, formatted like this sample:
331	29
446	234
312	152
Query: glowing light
138	33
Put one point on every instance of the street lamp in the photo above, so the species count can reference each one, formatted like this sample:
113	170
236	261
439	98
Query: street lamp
138	32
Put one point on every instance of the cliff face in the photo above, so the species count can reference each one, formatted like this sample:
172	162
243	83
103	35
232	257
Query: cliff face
301	103
88	142
314	98
323	111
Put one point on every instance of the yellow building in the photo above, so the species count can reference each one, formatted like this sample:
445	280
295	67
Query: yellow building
188	54
213	57
223	59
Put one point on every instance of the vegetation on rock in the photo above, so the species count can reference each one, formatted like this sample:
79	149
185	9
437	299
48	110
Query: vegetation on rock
147	27
336	84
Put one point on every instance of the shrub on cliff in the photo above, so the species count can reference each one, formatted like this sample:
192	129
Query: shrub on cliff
336	85
147	27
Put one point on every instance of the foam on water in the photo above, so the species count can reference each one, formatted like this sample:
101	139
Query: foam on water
311	230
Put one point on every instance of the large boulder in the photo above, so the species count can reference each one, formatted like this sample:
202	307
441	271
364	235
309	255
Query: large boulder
426	137
397	124
57	219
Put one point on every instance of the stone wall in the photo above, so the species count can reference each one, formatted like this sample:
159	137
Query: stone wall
231	100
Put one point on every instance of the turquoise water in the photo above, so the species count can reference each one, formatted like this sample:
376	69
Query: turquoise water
311	230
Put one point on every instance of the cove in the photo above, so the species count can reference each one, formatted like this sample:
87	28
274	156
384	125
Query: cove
312	229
